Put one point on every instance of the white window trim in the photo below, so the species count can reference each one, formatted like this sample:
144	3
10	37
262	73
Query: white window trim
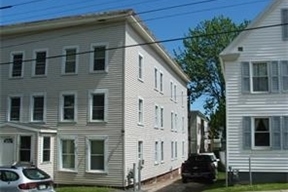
138	122
253	133
171	90
35	51
61	106
67	137
176	121
162	150
175	92
161	83
42	149
142	67
162	117
156	116
251	77
93	45
172	123
9	106
90	101
64	60
88	152
32	106
156	81
156	152
11	65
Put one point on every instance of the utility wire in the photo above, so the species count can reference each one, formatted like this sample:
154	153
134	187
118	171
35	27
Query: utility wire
158	42
20	4
111	26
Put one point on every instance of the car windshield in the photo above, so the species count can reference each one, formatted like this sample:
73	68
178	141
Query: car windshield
35	174
200	158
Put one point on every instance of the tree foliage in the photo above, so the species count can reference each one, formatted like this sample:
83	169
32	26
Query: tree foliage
200	60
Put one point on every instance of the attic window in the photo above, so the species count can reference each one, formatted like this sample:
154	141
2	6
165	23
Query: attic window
285	24
240	49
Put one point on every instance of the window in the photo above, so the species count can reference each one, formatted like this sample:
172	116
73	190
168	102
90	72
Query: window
183	149
25	149
171	90
284	70
175	93
176	149
172	121
38	107
156	156
96	153
46	149
183	125
176	122
140	67
140	111
162	117
260	77
161	82
162	152
68	106
67	153
140	150
285	26
98	105
99	59
70	61
156	78
17	65
15	108
156	123
182	98
265	133
172	150
40	63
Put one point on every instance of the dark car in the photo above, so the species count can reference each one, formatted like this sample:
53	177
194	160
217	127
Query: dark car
22	178
199	166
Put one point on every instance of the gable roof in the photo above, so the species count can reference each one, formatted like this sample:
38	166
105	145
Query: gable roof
93	19
228	50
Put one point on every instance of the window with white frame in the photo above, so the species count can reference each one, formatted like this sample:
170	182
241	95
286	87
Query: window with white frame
171	90
67	151
40	64
156	152
140	67
162	117
25	150
70	61
172	150
140	150
99	58
155	78
156	123
46	153
14	108
182	98
98	104
172	120
264	77
176	122
175	93
161	82
97	153
17	65
284	13
140	111
265	133
38	107
162	152
176	150
68	106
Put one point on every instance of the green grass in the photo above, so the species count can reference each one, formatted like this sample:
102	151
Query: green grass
83	189
220	186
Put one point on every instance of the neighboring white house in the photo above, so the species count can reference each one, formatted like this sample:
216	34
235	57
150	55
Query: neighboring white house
84	98
255	66
198	132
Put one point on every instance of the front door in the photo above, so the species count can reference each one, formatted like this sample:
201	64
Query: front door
7	150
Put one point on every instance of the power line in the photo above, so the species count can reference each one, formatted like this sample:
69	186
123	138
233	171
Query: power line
136	22
20	4
158	42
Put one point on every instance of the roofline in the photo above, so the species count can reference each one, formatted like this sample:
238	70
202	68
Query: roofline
41	130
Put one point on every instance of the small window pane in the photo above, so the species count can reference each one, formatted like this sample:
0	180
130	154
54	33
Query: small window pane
40	66
99	58
15	109
97	155
98	107
70	63
38	110
17	65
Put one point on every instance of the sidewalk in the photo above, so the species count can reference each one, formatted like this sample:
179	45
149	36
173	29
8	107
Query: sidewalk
153	187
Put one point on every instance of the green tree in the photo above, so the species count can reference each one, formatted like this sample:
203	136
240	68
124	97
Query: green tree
200	60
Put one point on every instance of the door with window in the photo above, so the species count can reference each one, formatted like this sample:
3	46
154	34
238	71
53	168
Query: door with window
7	147
25	149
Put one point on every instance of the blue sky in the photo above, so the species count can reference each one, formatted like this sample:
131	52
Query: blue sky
166	23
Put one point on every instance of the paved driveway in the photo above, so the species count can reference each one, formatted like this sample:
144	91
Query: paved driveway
184	187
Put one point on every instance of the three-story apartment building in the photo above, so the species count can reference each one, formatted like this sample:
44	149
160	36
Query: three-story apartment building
84	97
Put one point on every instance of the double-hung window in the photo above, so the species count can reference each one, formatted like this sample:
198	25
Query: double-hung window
46	154
155	78
98	103
99	58
162	152
171	90
17	65
161	82
172	120
40	64
38	107
140	67
68	106
175	93
140	150
176	150
260	77
284	71
176	122
156	123
261	132
172	150
70	64
162	117
67	153
284	13
97	153
14	108
156	153
140	111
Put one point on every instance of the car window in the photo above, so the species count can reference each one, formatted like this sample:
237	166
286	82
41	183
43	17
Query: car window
35	174
6	175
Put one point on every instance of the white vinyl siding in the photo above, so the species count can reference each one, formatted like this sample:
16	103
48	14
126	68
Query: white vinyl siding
17	65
